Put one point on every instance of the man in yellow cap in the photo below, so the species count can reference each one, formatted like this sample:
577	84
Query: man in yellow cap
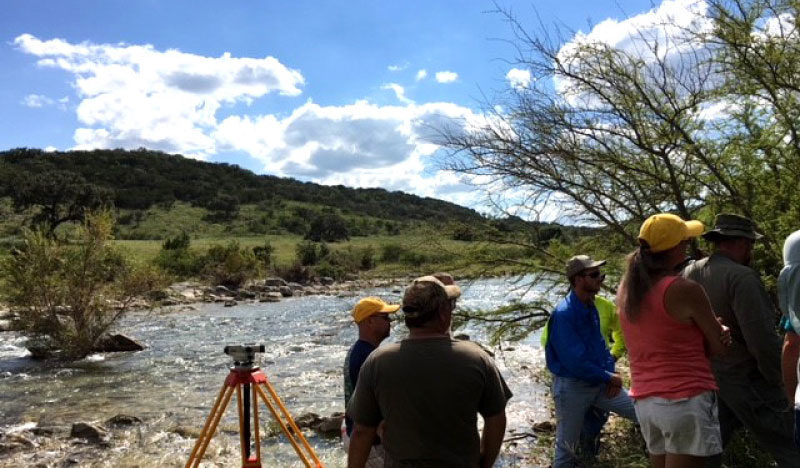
371	315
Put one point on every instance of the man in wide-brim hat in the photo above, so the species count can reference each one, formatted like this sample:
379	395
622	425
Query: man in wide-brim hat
749	375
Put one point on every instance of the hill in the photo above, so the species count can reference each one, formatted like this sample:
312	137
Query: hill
142	178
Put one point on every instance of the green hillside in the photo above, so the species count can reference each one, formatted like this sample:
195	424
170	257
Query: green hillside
142	178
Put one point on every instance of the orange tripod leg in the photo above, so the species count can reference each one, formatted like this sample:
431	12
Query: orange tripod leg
210	426
294	429
241	423
293	424
257	441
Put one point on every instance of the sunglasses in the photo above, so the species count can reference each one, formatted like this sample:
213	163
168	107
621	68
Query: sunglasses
595	275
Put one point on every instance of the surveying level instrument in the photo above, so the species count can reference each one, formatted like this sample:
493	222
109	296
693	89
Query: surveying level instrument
250	382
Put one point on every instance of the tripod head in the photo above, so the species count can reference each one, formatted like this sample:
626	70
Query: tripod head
244	355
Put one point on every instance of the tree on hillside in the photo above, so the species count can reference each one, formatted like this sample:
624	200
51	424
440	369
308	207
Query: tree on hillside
690	117
223	207
67	295
58	197
328	227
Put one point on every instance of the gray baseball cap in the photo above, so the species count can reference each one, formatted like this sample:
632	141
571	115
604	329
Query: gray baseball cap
579	263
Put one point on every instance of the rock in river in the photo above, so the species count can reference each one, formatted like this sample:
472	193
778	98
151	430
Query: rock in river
117	343
91	432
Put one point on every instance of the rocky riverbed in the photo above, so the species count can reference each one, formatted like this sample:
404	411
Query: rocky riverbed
145	408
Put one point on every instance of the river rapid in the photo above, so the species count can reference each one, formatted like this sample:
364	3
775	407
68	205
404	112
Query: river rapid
173	383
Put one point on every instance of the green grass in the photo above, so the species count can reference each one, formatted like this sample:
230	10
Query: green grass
622	444
425	247
426	254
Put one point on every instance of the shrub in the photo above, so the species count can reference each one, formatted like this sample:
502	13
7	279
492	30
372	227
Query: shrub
263	254
307	253
328	227
293	224
230	265
326	269
294	272
366	257
68	295
414	258
462	232
349	260
176	258
391	252
181	241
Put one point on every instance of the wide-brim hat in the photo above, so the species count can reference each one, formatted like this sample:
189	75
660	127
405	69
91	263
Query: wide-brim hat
732	225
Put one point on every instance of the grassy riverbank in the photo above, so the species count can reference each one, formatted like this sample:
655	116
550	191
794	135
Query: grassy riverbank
389	256
621	444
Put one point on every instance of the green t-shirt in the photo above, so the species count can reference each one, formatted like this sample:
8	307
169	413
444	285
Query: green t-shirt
429	392
609	326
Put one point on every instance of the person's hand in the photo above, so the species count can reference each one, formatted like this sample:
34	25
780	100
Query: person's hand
725	337
614	386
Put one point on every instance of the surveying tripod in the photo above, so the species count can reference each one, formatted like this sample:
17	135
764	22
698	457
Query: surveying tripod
250	382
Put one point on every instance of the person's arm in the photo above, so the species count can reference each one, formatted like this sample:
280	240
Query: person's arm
360	445
618	348
756	316
571	352
494	428
687	300
789	357
364	410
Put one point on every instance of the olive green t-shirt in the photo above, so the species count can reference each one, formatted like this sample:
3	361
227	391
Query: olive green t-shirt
429	392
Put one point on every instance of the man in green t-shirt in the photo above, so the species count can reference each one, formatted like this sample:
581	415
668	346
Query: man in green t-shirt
596	418
609	327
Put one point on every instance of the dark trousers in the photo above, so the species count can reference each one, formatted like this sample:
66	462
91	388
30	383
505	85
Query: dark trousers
764	411
593	423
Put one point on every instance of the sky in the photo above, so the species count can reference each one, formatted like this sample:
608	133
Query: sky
322	91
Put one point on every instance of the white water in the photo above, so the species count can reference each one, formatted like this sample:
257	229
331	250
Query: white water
174	382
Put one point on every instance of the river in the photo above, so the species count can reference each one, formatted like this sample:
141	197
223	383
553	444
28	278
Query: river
175	380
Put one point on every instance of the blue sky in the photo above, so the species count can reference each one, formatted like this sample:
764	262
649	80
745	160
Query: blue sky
332	92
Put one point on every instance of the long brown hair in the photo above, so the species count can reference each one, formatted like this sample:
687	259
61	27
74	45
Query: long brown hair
643	267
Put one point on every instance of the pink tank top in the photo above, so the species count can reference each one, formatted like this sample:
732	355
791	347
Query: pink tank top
667	357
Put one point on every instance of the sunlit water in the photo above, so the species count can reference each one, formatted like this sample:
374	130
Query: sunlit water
175	380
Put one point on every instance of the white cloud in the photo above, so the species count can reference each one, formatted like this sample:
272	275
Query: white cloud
671	20
396	68
50	149
518	78
133	95
421	74
399	91
361	145
446	76
36	100
674	26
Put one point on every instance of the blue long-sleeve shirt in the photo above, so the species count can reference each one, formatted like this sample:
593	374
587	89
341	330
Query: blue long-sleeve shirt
575	347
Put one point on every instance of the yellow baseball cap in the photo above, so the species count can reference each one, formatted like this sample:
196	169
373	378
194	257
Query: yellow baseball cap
370	306
664	231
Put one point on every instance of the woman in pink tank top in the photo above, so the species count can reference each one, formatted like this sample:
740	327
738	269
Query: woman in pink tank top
670	330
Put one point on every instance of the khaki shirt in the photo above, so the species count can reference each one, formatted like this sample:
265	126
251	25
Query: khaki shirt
738	296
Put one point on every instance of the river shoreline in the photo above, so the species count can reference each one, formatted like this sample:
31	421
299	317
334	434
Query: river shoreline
171	384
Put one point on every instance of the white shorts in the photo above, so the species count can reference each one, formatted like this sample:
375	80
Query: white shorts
686	426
